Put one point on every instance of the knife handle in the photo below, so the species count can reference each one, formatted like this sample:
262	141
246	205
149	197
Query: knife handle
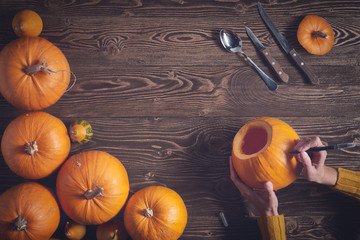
304	68
275	66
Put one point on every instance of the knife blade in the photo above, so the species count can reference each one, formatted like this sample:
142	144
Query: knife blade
286	46
266	54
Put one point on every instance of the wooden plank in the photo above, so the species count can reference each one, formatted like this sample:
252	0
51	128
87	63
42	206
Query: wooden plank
200	91
115	41
165	98
180	8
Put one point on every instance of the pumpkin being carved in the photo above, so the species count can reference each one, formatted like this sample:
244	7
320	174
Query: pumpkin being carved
315	35
35	144
155	212
92	187
28	211
261	153
34	73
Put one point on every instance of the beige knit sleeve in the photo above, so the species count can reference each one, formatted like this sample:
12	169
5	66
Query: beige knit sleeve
272	227
348	182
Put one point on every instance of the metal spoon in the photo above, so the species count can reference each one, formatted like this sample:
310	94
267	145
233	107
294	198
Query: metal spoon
233	43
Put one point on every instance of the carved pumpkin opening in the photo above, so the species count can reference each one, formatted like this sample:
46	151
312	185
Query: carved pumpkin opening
254	140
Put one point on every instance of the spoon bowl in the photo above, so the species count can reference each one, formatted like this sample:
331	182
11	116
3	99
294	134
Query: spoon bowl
233	43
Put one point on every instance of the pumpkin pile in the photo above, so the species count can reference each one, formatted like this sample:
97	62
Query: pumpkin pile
92	186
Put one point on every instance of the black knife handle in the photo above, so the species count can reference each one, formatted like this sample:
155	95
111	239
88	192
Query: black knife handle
275	66
304	68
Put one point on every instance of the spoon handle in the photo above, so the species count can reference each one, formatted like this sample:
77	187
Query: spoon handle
271	84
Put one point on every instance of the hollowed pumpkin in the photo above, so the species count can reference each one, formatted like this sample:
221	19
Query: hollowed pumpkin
261	153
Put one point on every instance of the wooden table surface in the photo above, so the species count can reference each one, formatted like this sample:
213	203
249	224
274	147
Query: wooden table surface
165	98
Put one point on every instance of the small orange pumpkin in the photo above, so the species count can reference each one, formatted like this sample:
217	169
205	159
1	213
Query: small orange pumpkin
34	73
35	144
28	211
74	230
27	23
261	153
80	131
111	230
92	187
155	212
315	35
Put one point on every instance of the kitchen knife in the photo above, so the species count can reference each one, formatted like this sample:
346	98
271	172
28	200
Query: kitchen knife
287	47
266	53
337	146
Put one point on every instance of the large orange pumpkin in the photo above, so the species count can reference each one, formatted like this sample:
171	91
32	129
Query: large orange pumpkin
34	73
261	153
155	212
92	187
35	144
315	35
28	211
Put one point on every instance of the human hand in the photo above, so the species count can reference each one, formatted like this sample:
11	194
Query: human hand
314	164
264	200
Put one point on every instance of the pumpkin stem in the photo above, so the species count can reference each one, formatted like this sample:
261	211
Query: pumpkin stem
31	148
67	229
20	224
148	212
115	233
317	34
34	69
97	191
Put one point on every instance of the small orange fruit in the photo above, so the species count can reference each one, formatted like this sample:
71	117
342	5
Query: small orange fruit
27	23
80	131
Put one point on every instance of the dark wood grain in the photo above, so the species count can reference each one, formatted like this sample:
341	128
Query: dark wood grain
166	99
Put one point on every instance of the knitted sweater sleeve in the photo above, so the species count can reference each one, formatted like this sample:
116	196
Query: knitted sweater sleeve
348	182
272	227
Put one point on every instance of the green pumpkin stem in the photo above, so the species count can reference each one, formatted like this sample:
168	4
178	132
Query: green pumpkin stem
20	224
31	148
317	34
97	191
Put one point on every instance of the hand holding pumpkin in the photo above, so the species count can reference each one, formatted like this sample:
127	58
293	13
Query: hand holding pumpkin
314	165
264	200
